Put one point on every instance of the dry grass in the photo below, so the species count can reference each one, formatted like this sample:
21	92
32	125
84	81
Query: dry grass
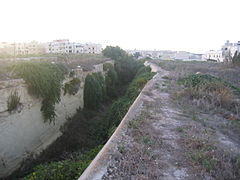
211	96
212	106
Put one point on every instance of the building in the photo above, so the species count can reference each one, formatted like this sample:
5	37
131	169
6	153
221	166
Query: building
61	46
7	48
166	55
92	48
213	55
29	48
229	49
14	49
225	54
64	46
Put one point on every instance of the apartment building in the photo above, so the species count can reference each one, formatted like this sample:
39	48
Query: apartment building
29	48
15	49
225	54
216	55
65	46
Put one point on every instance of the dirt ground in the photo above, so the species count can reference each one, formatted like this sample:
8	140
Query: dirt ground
172	140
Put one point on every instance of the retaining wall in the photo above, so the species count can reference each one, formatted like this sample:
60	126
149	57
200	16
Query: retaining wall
23	132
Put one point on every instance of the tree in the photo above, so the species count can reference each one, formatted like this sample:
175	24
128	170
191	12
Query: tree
137	55
114	53
125	65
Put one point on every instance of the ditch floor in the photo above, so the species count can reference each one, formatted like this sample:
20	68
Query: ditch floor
166	142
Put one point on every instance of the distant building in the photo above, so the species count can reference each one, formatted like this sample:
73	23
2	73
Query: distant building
65	46
62	46
225	54
7	48
21	48
29	48
213	55
166	55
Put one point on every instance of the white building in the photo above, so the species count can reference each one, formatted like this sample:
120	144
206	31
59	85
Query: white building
225	54
92	48
213	55
29	48
65	46
21	48
166	55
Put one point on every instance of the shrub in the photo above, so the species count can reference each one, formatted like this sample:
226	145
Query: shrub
44	80
206	89
94	90
125	65
107	66
13	101
62	170
72	86
111	80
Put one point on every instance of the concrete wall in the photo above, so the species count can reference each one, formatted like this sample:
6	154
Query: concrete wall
24	132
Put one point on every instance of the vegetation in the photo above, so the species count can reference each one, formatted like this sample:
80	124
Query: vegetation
207	89
13	101
236	58
120	107
62	170
198	80
93	125
125	65
72	86
44	81
111	80
94	90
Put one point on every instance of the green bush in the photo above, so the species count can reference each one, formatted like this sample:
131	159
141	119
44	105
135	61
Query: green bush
199	80
44	80
63	170
125	65
72	86
13	101
107	66
94	90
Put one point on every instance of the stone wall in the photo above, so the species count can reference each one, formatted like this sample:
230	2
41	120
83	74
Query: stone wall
23	132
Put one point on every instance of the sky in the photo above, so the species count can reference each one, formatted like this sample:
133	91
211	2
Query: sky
182	25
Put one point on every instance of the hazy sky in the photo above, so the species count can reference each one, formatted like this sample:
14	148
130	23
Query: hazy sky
191	25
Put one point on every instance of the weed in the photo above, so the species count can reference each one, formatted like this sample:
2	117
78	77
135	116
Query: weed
121	149
180	129
72	86
166	77
13	101
205	159
135	122
145	139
